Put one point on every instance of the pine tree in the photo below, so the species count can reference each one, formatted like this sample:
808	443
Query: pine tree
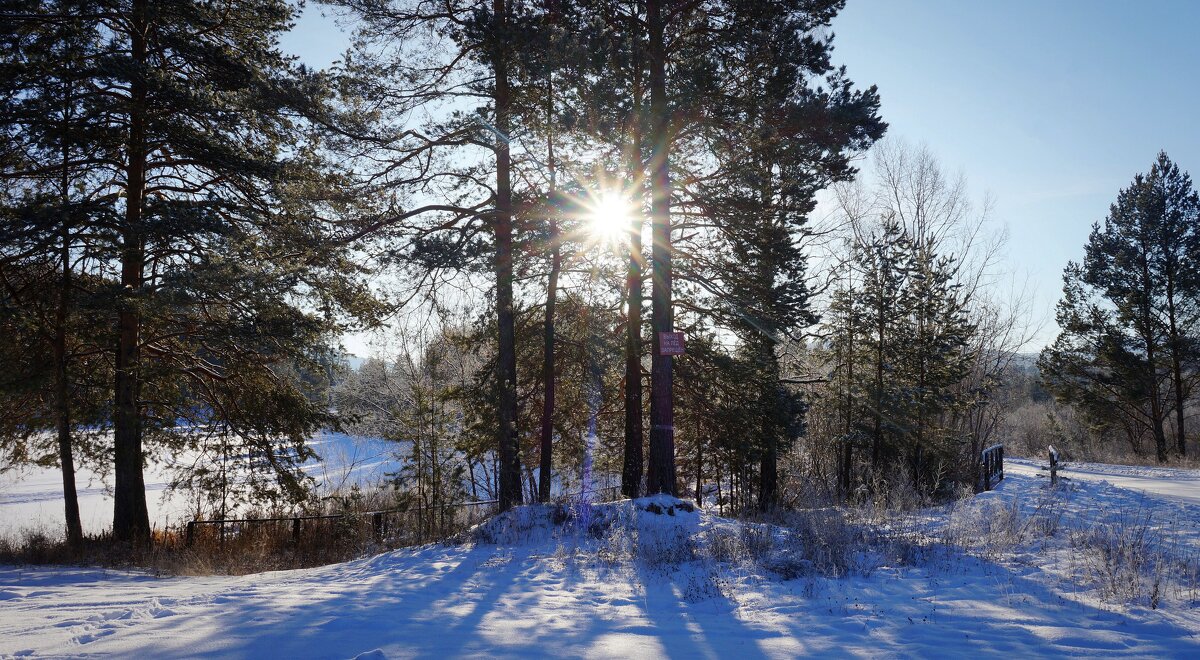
901	338
52	174
473	53
1092	366
935	357
1131	308
1170	196
209	221
780	140
882	316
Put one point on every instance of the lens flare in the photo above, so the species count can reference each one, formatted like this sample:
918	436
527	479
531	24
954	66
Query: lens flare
609	218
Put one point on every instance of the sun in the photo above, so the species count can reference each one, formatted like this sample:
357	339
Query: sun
608	219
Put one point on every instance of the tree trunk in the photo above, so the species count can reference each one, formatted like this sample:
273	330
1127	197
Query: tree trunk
632	467
1176	369
768	486
877	439
661	468
847	445
547	439
631	473
1181	434
506	361
1156	405
62	401
768	469
548	370
1147	331
131	521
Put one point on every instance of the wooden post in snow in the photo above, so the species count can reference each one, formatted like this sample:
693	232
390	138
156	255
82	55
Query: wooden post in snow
1053	466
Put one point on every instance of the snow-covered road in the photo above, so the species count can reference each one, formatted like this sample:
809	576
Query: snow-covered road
1176	484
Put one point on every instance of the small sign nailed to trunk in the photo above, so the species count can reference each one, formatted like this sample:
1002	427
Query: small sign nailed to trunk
670	343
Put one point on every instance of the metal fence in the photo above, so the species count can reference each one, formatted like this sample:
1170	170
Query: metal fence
992	464
399	526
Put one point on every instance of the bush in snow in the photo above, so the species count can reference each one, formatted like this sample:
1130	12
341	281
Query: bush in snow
1132	558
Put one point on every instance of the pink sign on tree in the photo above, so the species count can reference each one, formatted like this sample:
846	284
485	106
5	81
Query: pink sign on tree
670	343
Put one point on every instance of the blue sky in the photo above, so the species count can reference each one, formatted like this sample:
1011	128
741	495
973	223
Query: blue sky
1050	106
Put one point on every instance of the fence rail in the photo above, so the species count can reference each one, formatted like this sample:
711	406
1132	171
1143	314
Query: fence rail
425	523
992	463
382	521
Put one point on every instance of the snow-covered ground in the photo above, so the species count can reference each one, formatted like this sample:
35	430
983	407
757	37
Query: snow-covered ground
544	590
31	497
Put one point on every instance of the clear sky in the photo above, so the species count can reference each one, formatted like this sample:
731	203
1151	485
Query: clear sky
1050	106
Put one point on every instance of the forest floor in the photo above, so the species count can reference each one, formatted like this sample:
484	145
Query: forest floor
1092	569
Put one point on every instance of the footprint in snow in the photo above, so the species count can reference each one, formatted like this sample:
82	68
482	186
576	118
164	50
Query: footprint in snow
109	616
69	623
88	639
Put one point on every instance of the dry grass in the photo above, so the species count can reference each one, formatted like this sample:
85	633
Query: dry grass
235	548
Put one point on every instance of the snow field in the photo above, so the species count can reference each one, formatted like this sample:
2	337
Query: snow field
31	499
1012	572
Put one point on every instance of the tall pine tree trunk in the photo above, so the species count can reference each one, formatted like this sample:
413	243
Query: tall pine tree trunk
556	265
877	437
848	445
1147	330
847	453
768	482
1176	368
661	468
631	473
632	467
1181	433
768	265
131	521
548	368
506	362
62	400
1156	404
547	439
768	469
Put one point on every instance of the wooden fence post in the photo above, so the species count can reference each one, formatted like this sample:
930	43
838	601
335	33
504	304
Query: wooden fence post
296	530
377	525
191	532
1053	466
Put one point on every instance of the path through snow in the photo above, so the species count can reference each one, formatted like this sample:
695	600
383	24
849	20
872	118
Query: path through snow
1172	483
